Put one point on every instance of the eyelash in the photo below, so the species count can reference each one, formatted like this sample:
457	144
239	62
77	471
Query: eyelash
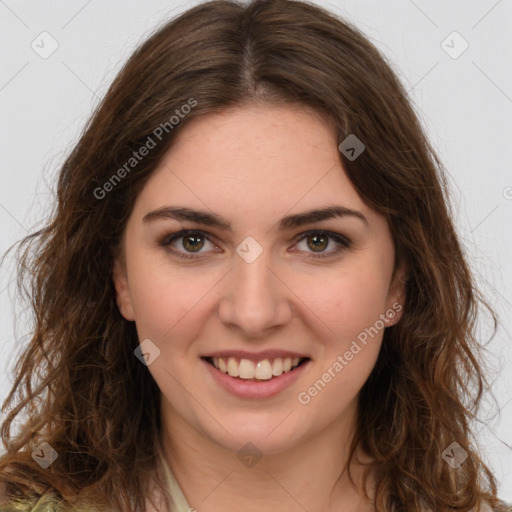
344	243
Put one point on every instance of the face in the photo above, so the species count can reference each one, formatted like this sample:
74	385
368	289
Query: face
255	281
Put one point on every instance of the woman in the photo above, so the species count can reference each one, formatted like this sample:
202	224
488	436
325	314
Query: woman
251	293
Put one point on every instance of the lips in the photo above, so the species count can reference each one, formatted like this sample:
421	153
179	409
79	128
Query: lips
248	379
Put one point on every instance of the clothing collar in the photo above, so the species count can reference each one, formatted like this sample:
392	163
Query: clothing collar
179	502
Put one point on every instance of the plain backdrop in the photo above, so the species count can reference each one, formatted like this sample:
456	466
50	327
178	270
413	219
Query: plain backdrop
460	85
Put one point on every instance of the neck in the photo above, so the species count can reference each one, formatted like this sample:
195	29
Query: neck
311	476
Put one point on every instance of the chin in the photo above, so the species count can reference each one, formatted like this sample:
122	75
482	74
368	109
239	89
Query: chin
270	436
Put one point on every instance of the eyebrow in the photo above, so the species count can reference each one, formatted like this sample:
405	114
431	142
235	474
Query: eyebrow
287	222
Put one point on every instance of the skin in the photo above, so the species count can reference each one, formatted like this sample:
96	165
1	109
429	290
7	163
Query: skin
252	166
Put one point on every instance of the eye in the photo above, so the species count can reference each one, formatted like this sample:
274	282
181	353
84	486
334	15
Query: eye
317	241
191	241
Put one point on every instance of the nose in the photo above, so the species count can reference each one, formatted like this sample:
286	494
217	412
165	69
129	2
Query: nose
255	299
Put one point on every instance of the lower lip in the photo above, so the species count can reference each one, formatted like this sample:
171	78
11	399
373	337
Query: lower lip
256	389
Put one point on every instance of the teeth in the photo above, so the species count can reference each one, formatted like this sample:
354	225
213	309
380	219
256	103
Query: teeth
277	367
233	367
262	370
246	369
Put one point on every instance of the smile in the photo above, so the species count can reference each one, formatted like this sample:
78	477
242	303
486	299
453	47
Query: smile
255	376
247	369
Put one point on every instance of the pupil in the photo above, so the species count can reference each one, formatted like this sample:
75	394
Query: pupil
315	243
196	242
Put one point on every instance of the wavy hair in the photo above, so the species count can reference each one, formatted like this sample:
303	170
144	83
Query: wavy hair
77	383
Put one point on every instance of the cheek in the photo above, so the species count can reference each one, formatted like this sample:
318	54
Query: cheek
171	305
159	295
355	301
348	301
163	309
344	378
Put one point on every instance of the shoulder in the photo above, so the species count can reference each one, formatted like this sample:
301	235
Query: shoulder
485	507
503	507
500	507
28	506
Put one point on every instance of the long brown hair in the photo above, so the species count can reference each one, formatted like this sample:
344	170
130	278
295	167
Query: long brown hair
78	383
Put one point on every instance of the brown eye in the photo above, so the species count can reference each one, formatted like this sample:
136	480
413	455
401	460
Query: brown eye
318	242
187	244
193	243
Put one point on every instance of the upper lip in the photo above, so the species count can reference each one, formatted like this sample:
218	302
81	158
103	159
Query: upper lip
255	356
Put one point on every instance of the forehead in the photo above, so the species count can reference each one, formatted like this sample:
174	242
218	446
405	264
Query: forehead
256	159
257	134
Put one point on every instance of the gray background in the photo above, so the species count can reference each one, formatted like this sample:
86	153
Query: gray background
465	104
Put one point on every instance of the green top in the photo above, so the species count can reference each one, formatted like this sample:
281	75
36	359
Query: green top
180	503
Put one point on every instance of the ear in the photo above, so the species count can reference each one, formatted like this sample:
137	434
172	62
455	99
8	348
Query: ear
396	295
123	297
